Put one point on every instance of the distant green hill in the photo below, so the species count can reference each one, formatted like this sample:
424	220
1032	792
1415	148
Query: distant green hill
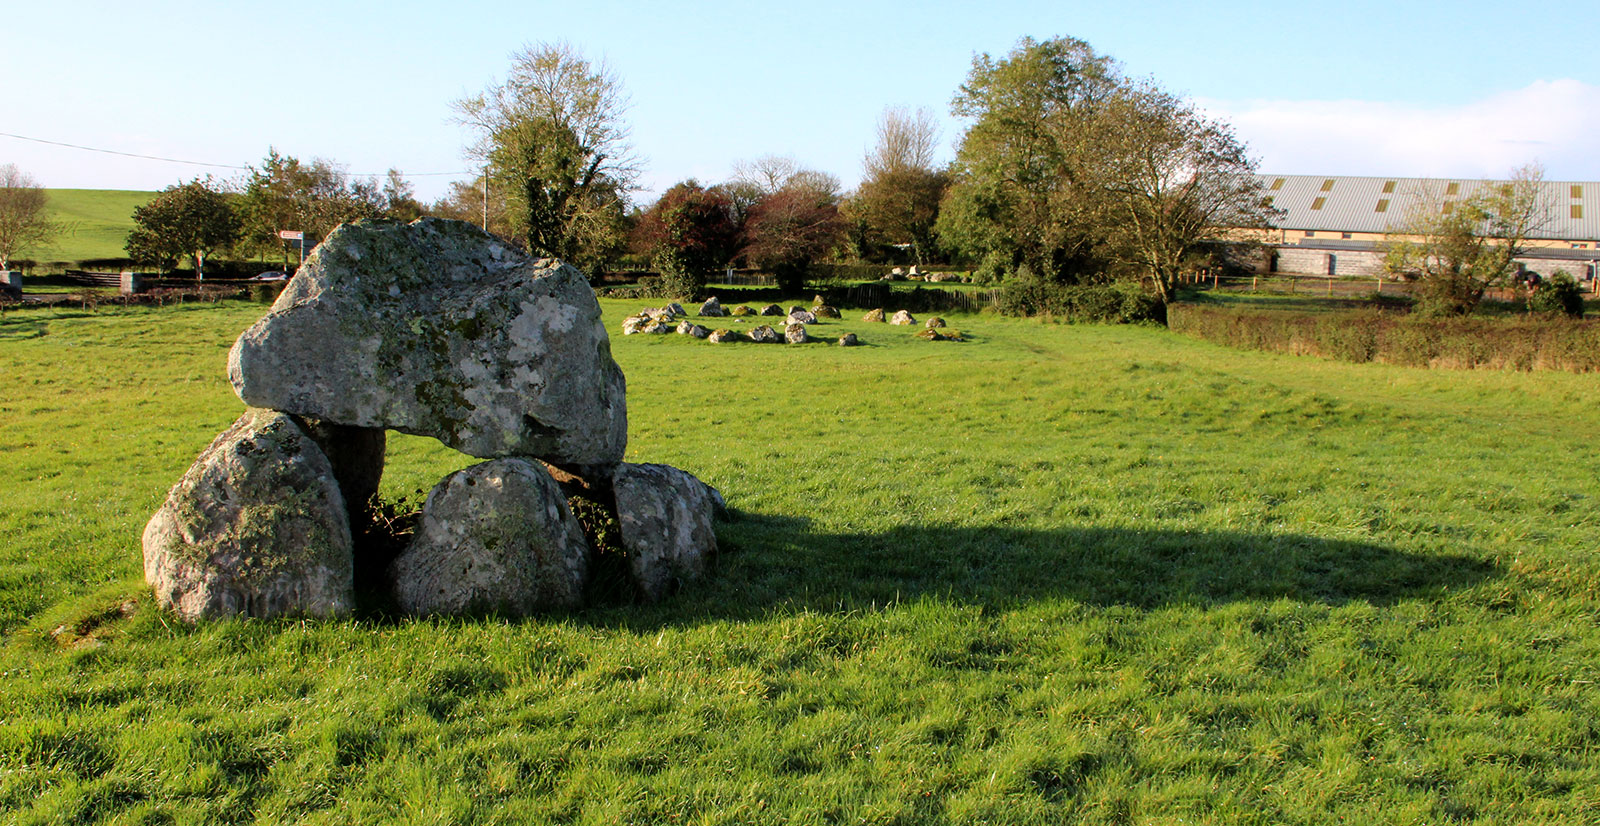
98	221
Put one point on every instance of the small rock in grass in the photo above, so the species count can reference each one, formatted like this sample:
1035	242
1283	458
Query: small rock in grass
849	340
765	335
934	322
723	335
772	309
824	311
689	328
903	317
796	334
875	315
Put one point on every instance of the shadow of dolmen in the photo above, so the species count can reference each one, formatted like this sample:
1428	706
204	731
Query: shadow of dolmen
771	560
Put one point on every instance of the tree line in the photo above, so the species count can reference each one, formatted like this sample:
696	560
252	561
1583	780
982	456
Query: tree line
1067	172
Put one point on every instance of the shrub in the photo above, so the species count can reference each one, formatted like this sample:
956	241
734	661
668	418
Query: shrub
1117	303
1558	295
1416	341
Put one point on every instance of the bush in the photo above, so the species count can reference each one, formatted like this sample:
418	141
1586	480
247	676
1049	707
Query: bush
1118	303
1410	340
1558	295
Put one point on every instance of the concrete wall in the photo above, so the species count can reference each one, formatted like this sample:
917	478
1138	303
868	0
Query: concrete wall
1329	262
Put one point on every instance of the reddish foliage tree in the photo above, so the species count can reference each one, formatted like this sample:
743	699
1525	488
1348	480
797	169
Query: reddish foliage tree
789	229
689	233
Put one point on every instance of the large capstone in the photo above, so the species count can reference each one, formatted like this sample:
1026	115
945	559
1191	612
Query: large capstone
495	537
440	329
664	515
256	528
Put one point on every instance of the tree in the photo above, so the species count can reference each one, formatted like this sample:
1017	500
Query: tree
791	228
690	232
24	223
287	194
1171	183
1019	198
192	219
898	201
400	198
1458	247
554	142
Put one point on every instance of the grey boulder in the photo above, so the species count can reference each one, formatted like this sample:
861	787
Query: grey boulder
257	527
440	329
664	516
495	537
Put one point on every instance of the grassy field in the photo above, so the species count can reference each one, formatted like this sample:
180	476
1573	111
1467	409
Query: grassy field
98	222
1051	575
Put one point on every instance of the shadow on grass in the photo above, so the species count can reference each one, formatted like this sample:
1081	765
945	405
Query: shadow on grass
775	560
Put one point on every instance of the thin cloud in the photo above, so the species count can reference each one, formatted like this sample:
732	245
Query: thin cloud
1554	123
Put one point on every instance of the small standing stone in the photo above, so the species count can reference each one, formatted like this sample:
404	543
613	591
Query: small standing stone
664	515
723	335
497	536
848	340
796	334
875	315
765	335
256	528
902	318
772	309
689	328
934	322
712	308
824	311
802	317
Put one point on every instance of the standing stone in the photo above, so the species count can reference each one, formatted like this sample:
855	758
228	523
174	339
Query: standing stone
802	317
765	335
849	340
818	300
824	311
664	515
934	322
772	309
356	455
689	328
495	537
903	317
712	308
720	336
256	528
440	329
795	334
676	310
741	311
875	315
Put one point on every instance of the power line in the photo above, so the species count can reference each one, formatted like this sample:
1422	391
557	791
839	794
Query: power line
203	163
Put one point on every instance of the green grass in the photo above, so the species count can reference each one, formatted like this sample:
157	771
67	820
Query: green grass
1053	575
97	220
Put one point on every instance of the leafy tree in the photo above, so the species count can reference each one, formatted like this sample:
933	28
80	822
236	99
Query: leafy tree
24	223
898	201
555	145
1558	295
192	219
690	233
1019	197
400	198
791	228
1456	248
285	193
1170	184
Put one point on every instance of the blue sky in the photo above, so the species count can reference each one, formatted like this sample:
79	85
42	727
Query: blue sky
1356	88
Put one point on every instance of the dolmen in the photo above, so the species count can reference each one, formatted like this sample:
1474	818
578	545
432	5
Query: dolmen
434	328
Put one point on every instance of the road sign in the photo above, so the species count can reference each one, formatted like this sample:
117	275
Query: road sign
291	235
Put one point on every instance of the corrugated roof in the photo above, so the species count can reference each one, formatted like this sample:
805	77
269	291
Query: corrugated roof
1343	203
